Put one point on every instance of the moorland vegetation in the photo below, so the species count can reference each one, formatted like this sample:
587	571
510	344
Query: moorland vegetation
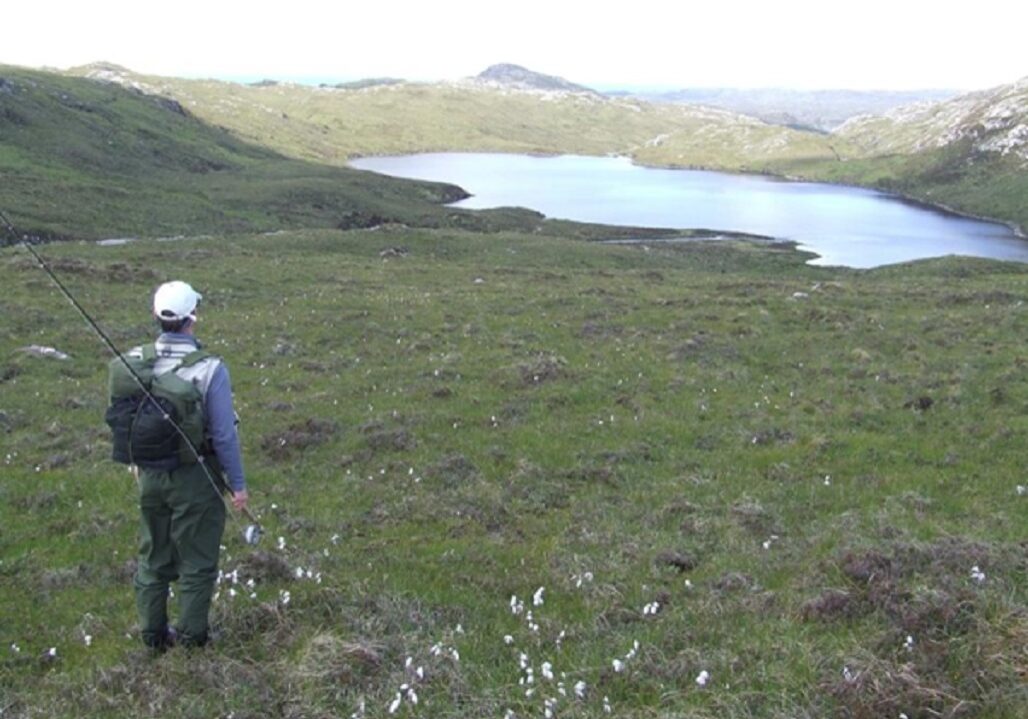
503	472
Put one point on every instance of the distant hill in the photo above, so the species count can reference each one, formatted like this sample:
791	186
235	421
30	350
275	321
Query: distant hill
821	110
333	124
87	159
519	77
992	121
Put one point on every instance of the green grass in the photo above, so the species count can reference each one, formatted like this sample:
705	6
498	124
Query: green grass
494	413
83	159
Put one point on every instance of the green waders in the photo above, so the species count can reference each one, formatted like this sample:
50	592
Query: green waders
183	518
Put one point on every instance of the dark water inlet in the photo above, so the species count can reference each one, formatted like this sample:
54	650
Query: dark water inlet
848	226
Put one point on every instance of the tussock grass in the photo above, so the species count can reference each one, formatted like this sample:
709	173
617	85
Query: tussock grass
775	490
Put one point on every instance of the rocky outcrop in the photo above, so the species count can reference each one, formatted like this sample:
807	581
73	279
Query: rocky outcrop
515	76
993	121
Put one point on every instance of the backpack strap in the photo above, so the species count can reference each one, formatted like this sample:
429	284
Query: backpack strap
150	353
194	357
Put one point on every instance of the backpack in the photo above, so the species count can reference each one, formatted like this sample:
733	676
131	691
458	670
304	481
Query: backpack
143	429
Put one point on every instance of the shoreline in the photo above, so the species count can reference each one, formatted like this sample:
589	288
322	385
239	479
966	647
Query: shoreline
934	206
1014	227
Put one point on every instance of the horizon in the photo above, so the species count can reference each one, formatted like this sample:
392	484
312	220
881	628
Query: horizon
315	80
741	44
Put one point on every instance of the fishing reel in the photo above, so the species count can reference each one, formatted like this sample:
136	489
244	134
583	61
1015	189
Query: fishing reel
252	534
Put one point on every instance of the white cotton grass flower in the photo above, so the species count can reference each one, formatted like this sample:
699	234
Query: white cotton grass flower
537	598
581	579
530	621
15	648
580	687
619	666
909	643
1021	490
52	652
702	678
607	709
977	574
508	639
281	542
547	671
397	700
651	609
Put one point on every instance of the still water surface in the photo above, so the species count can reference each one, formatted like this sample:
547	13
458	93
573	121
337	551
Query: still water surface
844	225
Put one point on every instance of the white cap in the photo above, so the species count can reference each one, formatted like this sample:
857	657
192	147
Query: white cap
175	301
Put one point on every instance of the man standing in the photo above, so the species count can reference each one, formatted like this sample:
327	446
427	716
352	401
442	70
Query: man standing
183	514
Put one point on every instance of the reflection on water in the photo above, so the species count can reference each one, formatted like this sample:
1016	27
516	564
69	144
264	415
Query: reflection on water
843	225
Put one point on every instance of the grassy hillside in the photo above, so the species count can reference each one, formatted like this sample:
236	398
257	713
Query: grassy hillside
334	124
703	460
86	159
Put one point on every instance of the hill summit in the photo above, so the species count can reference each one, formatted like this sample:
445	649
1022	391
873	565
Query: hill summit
525	79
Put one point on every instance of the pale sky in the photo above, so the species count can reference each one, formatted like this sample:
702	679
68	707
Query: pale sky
803	44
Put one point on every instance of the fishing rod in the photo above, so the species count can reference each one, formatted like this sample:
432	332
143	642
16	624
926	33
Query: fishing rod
252	533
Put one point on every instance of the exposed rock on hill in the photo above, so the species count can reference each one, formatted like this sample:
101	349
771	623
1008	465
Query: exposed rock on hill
523	78
821	110
992	121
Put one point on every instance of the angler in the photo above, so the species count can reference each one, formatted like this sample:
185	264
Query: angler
172	416
184	408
